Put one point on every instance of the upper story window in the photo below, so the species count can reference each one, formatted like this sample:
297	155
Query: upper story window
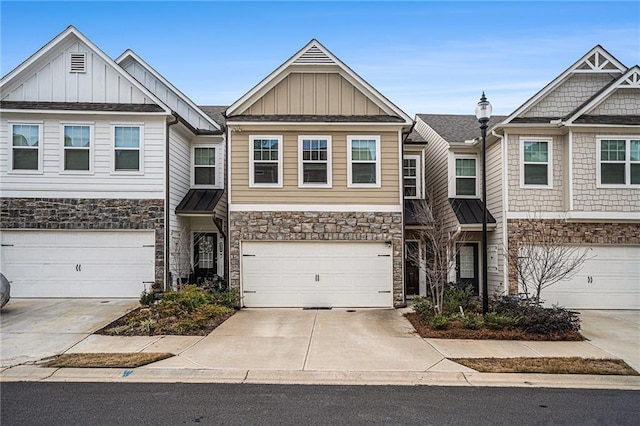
466	180
26	153
265	161
411	176
127	148
204	166
536	163
77	148
618	161
363	168
314	161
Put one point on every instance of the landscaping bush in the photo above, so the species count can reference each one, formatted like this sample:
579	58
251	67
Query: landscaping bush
458	296
423	307
471	320
537	319
498	321
440	321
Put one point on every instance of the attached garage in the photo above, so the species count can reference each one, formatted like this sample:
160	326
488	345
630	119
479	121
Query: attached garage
610	279
78	263
317	274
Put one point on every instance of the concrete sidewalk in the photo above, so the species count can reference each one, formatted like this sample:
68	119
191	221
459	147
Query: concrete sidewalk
317	347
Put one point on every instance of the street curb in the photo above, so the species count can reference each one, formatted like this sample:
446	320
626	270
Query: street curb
33	373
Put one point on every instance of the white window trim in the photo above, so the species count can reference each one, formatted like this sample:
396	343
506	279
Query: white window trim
453	176
350	183
40	169
140	170
418	176
252	183
301	183
627	162
549	163
63	148
217	165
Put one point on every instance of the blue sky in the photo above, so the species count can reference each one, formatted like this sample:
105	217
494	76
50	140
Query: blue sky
425	56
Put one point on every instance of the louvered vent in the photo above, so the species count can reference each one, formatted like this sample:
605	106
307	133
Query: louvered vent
78	62
313	56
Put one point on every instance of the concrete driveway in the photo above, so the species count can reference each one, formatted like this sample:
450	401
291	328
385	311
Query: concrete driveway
615	332
31	329
311	340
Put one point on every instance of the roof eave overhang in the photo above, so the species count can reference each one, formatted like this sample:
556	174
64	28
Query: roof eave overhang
313	123
83	112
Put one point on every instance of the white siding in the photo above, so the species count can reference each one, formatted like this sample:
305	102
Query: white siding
102	182
49	80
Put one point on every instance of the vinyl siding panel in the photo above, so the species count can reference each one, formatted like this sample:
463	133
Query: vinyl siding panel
389	193
495	195
314	94
102	182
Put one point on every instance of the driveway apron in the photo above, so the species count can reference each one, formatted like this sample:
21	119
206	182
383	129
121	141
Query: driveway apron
314	340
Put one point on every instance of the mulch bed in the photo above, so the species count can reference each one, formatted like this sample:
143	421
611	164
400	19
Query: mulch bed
116	327
457	331
105	360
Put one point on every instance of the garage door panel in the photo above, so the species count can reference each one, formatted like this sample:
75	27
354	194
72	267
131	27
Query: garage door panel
609	279
78	263
311	274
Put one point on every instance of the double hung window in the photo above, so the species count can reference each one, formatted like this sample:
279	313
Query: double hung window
363	154
26	152
411	176
619	161
77	148
204	166
314	161
466	180
536	163
127	151
265	168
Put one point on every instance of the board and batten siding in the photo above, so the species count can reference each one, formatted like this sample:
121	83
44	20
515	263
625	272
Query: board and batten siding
318	93
166	95
388	193
52	81
102	181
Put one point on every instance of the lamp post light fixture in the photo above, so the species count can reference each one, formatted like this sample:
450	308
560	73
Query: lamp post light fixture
483	114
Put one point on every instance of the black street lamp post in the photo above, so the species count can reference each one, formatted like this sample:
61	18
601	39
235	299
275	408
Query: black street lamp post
483	114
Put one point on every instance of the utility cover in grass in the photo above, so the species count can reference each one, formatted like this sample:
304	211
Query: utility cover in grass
106	360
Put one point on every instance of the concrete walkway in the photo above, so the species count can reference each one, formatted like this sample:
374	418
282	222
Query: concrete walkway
323	347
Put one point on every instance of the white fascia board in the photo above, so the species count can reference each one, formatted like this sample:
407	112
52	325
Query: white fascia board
576	216
72	31
134	56
308	123
81	112
394	208
279	73
561	78
602	96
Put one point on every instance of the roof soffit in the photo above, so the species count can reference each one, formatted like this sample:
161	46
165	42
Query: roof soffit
596	61
59	43
131	56
629	80
313	56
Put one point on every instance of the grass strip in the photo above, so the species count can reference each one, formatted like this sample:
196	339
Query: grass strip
550	365
106	360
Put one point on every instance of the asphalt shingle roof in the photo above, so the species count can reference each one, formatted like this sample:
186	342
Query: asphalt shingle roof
81	106
215	112
457	128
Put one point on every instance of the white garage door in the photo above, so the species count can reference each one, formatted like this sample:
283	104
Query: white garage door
609	280
78	263
316	274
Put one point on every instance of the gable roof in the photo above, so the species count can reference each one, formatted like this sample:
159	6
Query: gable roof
315	54
456	128
597	60
129	56
71	33
628	81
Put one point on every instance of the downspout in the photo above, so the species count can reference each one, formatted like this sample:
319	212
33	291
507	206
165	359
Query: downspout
167	272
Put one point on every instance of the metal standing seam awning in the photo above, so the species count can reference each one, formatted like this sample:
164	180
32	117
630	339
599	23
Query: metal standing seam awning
199	202
468	211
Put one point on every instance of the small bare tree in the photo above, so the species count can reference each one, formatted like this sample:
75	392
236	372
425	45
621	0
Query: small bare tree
545	257
438	240
181	254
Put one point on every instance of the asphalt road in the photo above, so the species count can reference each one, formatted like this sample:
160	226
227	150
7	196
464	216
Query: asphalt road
175	404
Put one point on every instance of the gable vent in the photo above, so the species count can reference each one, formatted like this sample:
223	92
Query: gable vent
78	62
313	56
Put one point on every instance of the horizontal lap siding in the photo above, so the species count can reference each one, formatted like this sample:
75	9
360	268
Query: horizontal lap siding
338	194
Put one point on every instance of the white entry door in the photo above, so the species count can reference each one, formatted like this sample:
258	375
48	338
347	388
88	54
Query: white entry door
78	263
317	274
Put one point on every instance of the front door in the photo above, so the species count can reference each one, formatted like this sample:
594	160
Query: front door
411	269
205	263
467	265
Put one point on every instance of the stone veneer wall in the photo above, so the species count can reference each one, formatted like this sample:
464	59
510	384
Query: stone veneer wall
578	233
316	226
88	214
